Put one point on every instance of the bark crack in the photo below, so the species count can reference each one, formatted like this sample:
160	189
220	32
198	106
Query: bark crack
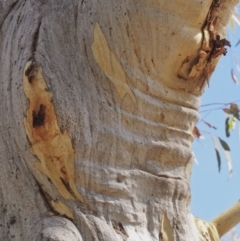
35	40
45	197
118	227
201	67
171	177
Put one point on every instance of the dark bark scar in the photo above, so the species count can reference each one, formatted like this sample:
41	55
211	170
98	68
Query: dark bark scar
218	46
39	117
120	229
31	71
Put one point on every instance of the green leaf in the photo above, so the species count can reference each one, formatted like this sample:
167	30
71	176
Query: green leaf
215	143
226	150
224	144
231	123
227	127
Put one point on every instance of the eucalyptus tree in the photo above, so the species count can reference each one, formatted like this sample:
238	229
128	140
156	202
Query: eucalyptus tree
98	103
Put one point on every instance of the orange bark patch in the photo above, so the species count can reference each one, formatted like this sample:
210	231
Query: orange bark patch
53	148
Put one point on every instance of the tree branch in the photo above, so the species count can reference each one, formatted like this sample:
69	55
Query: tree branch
228	219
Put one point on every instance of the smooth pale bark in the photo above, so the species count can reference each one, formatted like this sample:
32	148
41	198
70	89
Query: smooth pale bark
98	104
228	219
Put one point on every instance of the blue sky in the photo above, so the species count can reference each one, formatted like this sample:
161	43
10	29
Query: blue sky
214	192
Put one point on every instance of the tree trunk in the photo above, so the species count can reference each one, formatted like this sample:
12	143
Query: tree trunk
98	104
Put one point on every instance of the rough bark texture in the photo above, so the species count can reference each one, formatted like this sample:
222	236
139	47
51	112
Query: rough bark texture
98	102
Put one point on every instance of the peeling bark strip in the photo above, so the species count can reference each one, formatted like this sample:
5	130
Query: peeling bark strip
53	148
212	47
109	63
166	233
207	230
